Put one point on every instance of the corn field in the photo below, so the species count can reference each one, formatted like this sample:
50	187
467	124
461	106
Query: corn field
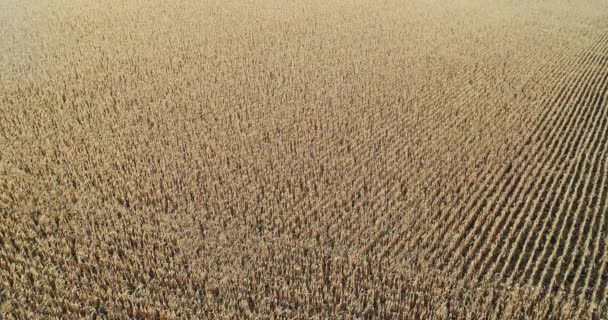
356	159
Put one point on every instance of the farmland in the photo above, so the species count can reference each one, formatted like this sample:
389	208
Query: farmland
303	159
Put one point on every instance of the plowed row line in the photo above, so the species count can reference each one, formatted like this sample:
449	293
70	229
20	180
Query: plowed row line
575	210
416	233
583	103
475	208
545	170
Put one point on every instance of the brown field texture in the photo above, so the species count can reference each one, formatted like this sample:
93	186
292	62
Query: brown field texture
296	159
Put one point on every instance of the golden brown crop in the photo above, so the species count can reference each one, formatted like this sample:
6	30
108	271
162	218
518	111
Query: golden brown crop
303	159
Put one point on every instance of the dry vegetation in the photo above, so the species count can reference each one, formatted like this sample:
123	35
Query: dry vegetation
303	159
